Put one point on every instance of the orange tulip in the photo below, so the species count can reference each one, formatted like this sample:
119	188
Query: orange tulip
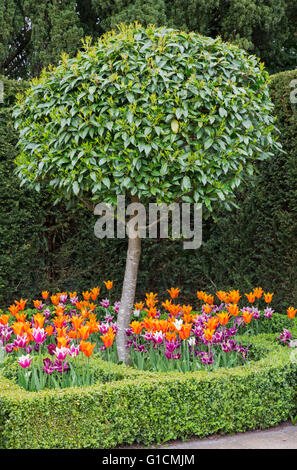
209	299
108	284
84	332
86	295
72	334
234	296
108	338
188	317
151	300
152	311
208	334
233	309
21	317
170	336
87	348
207	308
84	313
222	296
55	299
72	294
185	330
251	297
223	317
4	319
18	328
21	304
62	342
45	294
212	323
258	291
174	310
167	304
39	320
59	311
247	317
291	312
200	294
49	330
139	306
148	323
62	331
136	327
93	326
59	321
76	322
174	291
37	303
268	297
186	309
14	309
162	325
92	307
94	293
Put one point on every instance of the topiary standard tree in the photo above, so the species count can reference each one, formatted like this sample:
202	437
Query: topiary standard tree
147	113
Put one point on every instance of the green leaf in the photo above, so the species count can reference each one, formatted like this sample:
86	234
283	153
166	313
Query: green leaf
75	188
186	183
174	126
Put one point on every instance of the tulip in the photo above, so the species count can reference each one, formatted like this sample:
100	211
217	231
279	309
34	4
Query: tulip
185	330
251	297
258	291
4	319
108	284
136	327
247	317
105	303
268	297
139	306
73	351
61	353
39	335
234	296
21	341
25	361
291	312
108	338
173	292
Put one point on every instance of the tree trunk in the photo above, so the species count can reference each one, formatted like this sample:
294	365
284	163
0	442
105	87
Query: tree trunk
128	296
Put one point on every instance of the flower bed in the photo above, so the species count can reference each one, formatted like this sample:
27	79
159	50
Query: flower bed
53	344
73	398
145	407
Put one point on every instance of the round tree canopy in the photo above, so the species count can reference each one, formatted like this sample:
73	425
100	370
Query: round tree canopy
151	112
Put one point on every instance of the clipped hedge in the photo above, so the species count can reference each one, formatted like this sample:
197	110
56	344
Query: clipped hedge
142	407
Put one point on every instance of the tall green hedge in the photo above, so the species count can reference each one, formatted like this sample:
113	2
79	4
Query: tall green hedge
46	246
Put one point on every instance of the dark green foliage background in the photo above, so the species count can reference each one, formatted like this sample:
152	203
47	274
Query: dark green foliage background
43	246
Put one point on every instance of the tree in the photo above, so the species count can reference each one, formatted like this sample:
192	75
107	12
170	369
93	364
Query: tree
150	113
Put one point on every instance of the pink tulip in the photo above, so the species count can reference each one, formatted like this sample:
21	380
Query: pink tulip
39	335
61	353
25	361
74	351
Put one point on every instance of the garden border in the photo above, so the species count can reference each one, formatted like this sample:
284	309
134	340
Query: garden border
146	407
